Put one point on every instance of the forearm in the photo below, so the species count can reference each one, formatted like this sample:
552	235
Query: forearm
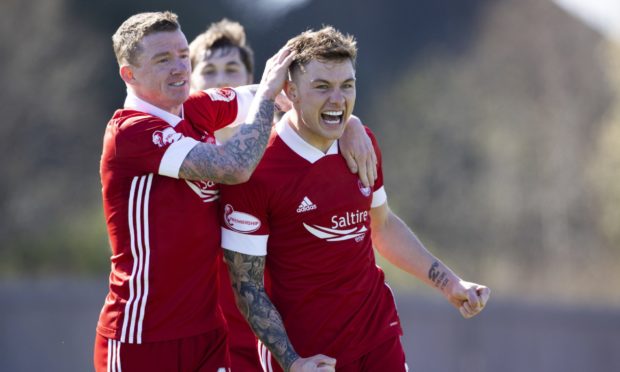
246	274
234	161
399	245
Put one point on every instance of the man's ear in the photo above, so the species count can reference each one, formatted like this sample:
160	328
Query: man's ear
126	72
290	89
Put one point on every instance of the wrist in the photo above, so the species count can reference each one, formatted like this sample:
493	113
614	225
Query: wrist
293	365
265	93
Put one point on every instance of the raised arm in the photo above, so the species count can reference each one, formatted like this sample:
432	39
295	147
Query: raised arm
246	275
394	240
234	161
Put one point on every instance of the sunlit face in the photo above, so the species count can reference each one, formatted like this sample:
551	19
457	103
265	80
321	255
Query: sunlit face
222	68
323	96
163	70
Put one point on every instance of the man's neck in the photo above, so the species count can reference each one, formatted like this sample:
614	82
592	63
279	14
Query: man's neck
176	110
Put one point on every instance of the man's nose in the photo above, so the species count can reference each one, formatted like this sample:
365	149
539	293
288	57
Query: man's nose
181	66
337	96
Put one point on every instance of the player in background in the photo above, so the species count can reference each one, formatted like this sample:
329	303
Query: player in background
220	57
312	225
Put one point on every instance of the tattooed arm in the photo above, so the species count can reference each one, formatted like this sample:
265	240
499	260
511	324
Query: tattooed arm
234	161
246	275
393	239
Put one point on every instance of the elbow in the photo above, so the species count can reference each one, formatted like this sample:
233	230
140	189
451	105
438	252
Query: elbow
241	176
244	176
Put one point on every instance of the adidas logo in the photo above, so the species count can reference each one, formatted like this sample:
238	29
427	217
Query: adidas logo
306	205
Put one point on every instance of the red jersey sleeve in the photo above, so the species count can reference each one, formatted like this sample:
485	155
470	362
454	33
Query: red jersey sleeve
244	218
379	195
213	109
142	143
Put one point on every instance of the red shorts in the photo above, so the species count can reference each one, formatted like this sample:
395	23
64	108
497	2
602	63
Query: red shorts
244	359
389	356
204	353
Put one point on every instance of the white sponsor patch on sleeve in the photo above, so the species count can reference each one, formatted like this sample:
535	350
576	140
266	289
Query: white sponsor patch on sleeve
239	221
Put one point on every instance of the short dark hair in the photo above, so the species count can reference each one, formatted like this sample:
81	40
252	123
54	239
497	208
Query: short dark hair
223	35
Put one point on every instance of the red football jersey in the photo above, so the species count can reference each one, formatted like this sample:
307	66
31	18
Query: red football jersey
164	231
310	216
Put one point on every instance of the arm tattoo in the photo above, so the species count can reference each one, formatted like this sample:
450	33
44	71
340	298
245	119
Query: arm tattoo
438	276
246	275
239	156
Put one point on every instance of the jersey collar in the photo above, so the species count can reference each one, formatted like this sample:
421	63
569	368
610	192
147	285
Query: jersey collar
133	102
299	145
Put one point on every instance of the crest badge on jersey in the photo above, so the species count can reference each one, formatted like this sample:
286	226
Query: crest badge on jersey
366	191
239	221
166	137
221	94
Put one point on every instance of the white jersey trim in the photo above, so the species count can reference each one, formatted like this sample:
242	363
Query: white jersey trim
378	197
299	145
135	103
114	356
244	101
175	154
264	355
255	245
138	215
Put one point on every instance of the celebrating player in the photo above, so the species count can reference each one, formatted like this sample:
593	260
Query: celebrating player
160	170
311	225
159	174
220	58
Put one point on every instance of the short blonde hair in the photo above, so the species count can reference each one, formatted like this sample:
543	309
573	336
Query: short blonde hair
126	40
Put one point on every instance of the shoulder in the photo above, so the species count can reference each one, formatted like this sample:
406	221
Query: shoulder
373	139
132	126
212	95
125	118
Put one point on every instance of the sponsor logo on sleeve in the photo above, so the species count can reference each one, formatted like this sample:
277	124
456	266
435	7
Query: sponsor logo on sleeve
221	94
166	137
239	221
